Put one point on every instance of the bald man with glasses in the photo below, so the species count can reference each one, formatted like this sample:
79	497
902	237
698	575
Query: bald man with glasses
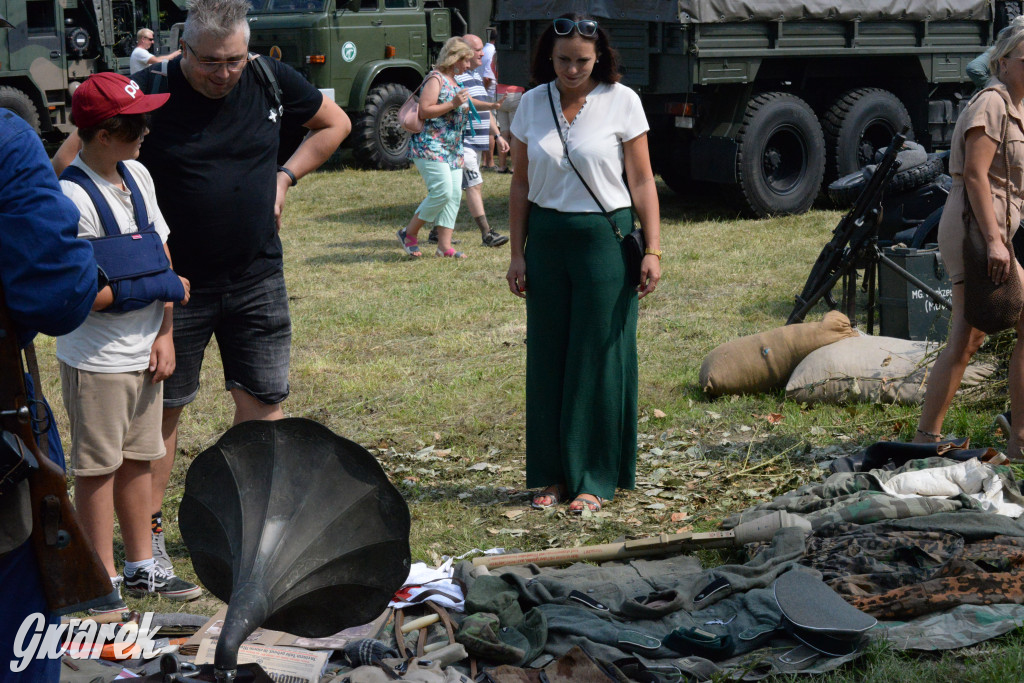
142	55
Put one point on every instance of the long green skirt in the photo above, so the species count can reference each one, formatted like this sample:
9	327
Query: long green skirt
581	367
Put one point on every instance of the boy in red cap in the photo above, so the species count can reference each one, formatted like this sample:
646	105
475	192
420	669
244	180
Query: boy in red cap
113	366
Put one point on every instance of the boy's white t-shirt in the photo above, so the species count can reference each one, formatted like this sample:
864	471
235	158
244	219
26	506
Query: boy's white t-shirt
113	342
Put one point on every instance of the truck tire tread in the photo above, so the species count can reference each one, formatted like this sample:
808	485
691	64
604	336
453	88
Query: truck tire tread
764	201
368	140
836	120
844	191
21	104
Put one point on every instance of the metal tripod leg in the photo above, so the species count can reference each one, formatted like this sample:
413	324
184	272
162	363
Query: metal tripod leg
912	279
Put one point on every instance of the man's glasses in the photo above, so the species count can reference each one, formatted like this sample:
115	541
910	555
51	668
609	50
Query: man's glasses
211	66
586	27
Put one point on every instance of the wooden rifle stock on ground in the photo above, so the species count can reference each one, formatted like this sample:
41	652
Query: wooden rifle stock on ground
760	529
71	573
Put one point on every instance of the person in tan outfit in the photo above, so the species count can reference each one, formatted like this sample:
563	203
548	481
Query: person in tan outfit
980	174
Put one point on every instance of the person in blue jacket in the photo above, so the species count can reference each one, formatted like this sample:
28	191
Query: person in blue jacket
49	279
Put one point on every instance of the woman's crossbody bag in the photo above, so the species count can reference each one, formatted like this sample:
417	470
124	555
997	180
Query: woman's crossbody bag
633	244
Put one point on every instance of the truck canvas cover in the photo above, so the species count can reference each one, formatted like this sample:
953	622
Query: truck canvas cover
721	11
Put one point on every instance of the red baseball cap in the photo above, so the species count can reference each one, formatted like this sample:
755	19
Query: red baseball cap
108	94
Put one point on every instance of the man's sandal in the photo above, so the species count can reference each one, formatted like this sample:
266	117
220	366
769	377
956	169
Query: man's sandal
411	247
591	502
547	498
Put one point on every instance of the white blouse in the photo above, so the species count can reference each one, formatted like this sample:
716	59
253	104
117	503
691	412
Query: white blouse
611	115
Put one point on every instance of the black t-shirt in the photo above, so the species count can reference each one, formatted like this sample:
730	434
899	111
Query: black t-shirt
214	164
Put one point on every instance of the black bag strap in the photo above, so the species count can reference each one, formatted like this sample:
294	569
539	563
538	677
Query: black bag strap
267	79
78	176
565	151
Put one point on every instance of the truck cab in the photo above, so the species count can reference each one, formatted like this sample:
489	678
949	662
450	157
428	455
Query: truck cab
366	55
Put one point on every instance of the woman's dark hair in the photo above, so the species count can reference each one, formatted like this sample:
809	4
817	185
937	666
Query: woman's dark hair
606	70
127	127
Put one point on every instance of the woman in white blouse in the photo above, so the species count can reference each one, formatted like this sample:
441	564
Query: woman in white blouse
567	262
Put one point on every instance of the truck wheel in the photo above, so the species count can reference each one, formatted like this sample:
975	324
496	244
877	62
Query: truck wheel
20	104
1005	13
780	159
377	139
860	123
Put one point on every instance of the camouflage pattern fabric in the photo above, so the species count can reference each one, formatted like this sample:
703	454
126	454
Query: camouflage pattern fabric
943	594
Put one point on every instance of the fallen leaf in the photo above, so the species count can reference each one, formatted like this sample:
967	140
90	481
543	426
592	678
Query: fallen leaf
713	415
478	467
512	514
678	516
658	413
654	506
774	418
437	436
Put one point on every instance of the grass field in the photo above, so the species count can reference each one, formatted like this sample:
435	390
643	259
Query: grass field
423	362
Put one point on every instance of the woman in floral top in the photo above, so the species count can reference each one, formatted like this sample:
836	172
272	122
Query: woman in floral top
437	149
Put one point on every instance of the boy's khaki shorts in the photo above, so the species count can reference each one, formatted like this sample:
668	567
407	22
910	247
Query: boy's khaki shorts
113	416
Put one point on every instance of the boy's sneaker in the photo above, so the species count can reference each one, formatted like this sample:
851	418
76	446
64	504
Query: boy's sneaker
114	606
160	553
494	239
155	580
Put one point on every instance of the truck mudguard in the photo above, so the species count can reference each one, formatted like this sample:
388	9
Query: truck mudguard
368	74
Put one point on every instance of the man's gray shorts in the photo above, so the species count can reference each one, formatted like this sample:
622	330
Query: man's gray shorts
254	334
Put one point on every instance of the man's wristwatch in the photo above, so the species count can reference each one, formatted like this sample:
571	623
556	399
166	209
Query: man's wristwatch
287	172
653	252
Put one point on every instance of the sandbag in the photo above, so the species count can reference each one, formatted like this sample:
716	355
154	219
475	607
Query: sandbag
871	369
762	362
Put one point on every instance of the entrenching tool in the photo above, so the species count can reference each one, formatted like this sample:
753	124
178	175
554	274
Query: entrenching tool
756	530
296	528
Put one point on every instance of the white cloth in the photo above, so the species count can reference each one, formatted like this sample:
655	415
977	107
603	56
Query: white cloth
612	115
140	59
423	578
113	342
973	478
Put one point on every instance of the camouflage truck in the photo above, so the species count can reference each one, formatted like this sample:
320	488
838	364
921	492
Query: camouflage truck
367	55
56	44
775	99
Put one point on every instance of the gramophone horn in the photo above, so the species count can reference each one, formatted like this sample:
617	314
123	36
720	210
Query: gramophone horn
296	528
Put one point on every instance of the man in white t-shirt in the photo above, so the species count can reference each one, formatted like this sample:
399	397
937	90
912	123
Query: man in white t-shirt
141	55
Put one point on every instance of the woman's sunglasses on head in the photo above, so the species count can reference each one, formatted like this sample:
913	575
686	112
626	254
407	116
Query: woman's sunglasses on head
585	27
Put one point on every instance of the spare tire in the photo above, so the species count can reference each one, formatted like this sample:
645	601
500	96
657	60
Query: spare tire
844	192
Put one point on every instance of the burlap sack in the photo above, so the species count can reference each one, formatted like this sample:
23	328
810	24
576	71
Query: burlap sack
762	362
871	369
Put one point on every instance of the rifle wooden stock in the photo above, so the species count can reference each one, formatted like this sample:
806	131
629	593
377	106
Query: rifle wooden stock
72	575
760	529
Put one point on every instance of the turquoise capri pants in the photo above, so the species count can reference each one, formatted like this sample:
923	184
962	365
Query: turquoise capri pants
444	192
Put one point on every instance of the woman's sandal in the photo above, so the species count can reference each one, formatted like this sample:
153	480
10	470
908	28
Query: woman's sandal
412	248
576	507
547	497
451	253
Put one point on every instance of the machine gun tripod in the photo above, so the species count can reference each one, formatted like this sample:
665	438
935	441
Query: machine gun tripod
854	246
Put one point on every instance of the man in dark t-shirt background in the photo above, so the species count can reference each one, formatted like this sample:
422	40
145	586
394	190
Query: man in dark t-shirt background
213	154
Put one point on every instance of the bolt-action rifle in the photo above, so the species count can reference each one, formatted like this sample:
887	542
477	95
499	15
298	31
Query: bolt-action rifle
757	530
72	575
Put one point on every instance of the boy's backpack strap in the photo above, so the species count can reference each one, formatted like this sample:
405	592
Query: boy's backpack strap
81	178
267	79
138	200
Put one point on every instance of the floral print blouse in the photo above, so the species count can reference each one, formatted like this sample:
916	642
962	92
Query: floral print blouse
441	137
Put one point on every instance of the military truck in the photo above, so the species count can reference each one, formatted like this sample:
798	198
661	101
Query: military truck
775	99
56	44
367	55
